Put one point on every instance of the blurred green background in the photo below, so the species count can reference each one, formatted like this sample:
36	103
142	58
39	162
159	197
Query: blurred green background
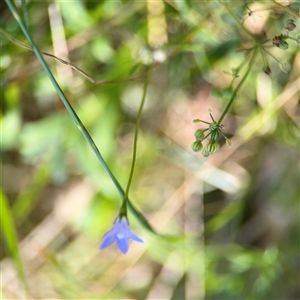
240	206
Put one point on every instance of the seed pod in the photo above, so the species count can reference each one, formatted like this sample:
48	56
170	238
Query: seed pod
205	153
199	134
197	146
290	25
283	45
216	147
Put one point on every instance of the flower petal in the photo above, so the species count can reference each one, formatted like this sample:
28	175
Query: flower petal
107	240
136	238
122	244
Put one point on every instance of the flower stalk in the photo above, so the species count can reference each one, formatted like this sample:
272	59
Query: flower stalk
234	93
123	209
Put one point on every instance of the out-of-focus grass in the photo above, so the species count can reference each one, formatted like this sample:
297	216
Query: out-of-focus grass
11	238
240	204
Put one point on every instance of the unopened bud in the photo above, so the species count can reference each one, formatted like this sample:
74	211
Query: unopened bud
228	143
210	147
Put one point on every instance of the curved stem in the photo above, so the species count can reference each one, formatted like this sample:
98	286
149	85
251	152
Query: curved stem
123	210
237	88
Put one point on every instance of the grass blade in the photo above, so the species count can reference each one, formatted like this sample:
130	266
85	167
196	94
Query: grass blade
10	236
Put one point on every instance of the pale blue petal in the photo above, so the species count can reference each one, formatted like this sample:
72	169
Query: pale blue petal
108	239
136	238
122	244
121	226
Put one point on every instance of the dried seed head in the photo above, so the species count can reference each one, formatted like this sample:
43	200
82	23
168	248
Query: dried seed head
276	41
267	71
290	25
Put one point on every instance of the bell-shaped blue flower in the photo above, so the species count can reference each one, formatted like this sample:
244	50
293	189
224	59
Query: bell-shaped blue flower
120	233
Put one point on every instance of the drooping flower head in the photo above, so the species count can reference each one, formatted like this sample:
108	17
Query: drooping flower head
120	233
214	129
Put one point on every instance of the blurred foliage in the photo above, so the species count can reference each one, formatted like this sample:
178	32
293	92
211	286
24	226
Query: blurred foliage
239	207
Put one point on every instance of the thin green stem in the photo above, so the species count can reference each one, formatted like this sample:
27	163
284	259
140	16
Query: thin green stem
276	59
239	22
76	119
123	210
68	106
238	87
291	38
239	68
263	55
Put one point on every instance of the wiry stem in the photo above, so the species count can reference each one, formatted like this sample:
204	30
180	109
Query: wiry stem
238	87
123	210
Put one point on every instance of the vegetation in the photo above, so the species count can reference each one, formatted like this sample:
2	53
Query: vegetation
180	117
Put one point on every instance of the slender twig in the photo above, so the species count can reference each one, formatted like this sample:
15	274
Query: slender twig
137	126
98	82
238	87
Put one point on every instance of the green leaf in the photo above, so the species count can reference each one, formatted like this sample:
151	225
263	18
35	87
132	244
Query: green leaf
10	236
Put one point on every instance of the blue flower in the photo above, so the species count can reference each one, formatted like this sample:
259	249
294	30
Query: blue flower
120	233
